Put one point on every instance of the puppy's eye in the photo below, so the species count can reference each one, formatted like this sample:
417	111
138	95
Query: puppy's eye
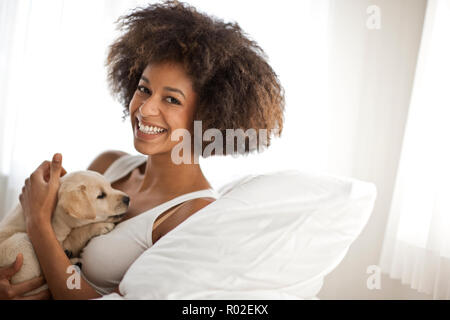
102	195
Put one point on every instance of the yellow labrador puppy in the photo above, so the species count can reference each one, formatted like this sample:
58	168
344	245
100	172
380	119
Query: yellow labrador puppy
87	207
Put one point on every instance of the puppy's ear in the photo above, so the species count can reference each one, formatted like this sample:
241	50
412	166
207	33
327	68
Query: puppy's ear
78	205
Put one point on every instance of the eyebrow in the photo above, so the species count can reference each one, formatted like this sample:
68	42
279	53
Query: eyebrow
166	88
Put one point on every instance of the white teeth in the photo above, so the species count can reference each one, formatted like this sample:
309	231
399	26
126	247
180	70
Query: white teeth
150	129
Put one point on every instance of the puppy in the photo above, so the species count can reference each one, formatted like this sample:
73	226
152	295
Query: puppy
87	206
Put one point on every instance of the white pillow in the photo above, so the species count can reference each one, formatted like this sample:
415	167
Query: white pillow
270	236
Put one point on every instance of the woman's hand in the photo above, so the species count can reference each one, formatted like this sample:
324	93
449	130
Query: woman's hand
10	291
40	193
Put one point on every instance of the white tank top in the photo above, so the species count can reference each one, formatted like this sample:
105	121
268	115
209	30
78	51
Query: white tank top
106	258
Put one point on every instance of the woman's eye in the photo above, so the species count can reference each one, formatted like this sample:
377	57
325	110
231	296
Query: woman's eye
143	89
173	101
102	195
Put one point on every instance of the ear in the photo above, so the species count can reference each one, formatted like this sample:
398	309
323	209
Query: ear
78	205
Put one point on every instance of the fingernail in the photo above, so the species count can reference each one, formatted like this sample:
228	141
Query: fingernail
57	157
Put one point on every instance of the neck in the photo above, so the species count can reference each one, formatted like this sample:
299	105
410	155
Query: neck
162	175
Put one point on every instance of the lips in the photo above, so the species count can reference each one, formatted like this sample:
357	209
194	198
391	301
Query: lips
118	216
148	124
148	134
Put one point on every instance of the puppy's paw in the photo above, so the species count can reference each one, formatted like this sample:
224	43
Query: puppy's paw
76	262
68	253
103	228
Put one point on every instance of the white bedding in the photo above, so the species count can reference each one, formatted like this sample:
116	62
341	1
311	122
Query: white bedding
272	236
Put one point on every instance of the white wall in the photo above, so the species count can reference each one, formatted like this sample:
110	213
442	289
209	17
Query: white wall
379	94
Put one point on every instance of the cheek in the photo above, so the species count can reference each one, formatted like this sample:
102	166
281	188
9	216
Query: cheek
184	119
134	104
102	207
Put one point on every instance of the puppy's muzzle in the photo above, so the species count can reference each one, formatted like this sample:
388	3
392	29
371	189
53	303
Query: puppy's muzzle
126	200
115	219
118	216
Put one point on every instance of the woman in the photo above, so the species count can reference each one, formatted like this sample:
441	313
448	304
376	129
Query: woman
172	66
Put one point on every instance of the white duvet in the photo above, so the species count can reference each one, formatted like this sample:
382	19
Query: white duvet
271	236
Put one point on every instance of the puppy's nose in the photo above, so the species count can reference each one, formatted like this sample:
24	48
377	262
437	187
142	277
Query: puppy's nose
126	200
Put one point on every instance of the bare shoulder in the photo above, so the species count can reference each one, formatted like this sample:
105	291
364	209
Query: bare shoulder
104	160
180	214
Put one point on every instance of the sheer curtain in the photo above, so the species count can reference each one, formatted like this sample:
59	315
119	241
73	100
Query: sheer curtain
53	93
417	241
54	98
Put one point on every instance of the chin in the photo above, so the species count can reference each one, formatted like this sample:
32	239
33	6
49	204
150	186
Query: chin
147	149
143	148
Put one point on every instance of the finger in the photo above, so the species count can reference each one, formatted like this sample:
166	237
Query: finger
23	197
14	268
40	172
55	171
24	192
43	295
47	174
26	286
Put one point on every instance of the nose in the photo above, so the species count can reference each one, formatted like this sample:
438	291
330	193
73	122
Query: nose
149	108
126	200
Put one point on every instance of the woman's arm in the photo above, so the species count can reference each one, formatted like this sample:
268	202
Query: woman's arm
55	266
38	201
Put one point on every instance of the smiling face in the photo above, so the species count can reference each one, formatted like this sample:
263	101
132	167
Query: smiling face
163	102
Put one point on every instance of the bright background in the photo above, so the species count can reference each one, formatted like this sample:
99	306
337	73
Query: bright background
56	99
349	95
